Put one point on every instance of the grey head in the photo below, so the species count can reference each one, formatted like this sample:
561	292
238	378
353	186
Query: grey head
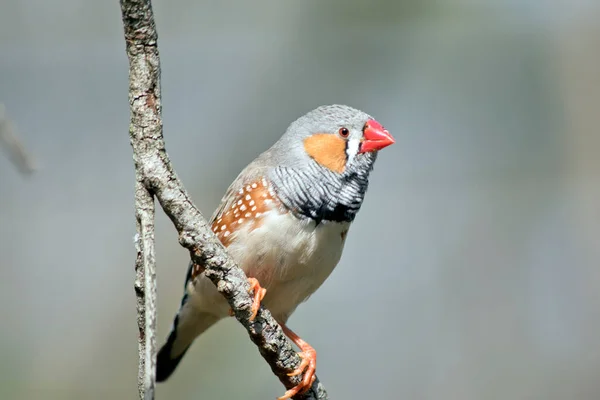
320	166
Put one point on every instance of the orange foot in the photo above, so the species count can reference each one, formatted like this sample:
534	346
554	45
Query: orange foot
259	294
308	365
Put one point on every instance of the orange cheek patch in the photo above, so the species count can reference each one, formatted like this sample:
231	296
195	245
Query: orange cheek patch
328	150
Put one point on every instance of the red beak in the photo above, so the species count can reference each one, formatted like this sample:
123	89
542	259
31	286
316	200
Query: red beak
375	137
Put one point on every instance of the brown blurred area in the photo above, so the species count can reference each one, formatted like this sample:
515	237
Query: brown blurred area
470	273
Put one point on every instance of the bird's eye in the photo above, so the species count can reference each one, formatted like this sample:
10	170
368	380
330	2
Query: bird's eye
344	132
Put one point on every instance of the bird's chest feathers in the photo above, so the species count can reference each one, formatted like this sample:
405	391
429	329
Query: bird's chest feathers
285	249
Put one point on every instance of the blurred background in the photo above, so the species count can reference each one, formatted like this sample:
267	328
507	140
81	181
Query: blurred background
471	271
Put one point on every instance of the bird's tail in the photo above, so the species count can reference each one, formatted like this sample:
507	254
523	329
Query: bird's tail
188	324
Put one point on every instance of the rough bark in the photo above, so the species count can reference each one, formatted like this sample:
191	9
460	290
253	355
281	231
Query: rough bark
155	177
145	289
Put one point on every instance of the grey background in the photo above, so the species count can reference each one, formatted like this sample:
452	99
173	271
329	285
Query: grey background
470	273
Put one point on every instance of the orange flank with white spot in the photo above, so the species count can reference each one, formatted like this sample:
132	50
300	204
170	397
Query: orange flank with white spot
252	201
246	211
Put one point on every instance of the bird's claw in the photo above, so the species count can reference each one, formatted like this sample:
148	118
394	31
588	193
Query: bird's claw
308	366
259	295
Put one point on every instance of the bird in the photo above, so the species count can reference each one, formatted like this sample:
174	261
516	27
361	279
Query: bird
284	220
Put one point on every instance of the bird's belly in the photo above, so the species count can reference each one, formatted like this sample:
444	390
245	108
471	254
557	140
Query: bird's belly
289	257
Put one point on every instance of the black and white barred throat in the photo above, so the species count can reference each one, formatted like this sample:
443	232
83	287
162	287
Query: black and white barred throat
321	194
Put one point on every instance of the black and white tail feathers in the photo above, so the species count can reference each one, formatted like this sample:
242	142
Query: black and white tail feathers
188	324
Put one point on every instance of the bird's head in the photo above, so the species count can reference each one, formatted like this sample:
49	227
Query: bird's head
323	162
339	138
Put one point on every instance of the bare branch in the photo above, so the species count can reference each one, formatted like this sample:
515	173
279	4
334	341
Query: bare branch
156	175
16	151
145	290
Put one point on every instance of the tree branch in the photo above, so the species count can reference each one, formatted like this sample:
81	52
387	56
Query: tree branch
145	289
155	176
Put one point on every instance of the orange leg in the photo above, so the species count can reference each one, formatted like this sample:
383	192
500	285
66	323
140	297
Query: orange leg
259	294
308	365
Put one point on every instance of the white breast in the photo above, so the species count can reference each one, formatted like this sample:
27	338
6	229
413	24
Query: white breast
291	258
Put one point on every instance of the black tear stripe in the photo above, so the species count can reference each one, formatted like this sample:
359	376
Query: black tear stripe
346	154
